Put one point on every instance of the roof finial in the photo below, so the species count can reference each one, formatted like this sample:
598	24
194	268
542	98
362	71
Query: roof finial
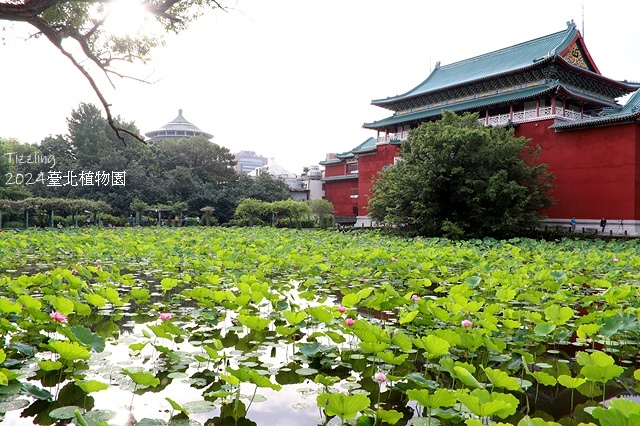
180	111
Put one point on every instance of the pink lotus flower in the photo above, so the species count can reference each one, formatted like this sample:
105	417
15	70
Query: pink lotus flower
165	316
349	322
99	267
341	309
466	323
74	271
58	317
380	377
615	259
415	298
393	259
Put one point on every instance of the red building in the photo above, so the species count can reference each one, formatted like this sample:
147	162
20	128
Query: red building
552	92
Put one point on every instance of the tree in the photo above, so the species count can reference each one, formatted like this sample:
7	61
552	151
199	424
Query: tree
208	161
83	22
458	178
252	211
322	209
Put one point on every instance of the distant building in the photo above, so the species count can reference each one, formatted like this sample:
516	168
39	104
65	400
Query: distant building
248	161
177	128
303	188
312	181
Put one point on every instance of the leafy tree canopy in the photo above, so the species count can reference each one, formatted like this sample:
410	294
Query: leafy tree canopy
93	46
460	179
193	172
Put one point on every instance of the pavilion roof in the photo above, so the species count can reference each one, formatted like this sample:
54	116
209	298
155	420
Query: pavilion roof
518	57
565	47
366	146
628	112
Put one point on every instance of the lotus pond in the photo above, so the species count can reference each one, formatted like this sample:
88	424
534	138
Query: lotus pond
258	326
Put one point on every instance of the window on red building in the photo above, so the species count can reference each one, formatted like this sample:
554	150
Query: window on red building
354	192
352	167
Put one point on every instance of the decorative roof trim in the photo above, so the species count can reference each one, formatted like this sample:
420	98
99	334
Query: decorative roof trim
461	106
352	176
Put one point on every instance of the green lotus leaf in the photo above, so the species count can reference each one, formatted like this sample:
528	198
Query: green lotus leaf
168	283
544	378
87	337
90	386
177	406
389	416
320	313
433	346
505	294
341	405
586	330
140	294
254	322
407	317
36	392
48	365
263	382
402	341
61	304
500	379
544	329
390	358
594	358
65	413
536	421
482	409
351	300
70	351
571	382
95	300
558	315
440	398
29	302
466	377
601	374
294	318
372	348
142	378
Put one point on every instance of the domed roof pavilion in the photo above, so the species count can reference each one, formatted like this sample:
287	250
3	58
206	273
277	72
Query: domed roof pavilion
177	128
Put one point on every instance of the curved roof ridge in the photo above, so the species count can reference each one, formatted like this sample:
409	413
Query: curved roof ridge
568	35
508	59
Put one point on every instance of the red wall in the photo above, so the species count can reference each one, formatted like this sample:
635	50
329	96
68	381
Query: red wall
597	172
335	169
339	193
368	166
595	169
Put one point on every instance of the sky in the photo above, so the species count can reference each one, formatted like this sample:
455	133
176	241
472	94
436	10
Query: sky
293	80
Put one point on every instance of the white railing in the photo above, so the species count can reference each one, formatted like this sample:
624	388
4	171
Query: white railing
531	115
502	119
392	137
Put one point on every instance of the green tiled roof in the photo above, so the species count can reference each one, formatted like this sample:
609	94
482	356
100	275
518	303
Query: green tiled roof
368	145
517	57
630	111
480	101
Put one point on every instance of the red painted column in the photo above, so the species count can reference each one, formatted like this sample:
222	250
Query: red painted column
486	117
537	107
511	112
553	105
